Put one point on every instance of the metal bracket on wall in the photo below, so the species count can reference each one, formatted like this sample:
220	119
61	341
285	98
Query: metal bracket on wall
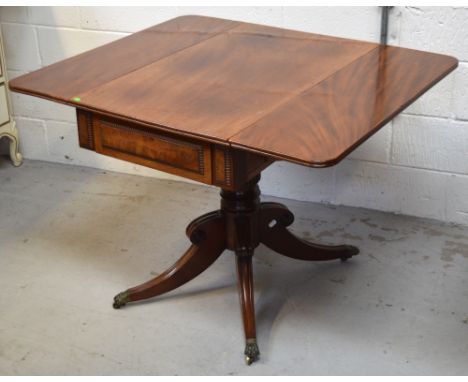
384	25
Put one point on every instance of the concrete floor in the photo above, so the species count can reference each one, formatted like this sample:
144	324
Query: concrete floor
72	237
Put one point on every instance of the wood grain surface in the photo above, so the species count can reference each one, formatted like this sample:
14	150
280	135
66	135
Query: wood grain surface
290	95
74	76
323	124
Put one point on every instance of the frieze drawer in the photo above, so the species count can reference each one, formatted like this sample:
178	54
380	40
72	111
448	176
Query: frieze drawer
146	146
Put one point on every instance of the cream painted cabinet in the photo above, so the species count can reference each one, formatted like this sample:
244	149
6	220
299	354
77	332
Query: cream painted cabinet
7	124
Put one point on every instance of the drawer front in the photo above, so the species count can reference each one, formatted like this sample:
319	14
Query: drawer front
4	115
146	146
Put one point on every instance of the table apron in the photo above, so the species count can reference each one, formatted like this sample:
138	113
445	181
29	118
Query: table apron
199	160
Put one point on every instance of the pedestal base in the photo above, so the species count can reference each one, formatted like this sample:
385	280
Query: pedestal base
240	225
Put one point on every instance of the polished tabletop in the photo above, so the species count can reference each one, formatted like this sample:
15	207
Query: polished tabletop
301	97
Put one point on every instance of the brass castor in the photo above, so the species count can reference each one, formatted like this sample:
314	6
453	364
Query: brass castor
251	352
353	251
120	300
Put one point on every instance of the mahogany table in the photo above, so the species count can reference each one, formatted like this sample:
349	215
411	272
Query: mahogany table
217	101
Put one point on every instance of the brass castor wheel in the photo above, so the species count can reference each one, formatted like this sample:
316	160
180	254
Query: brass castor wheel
120	300
251	352
352	251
